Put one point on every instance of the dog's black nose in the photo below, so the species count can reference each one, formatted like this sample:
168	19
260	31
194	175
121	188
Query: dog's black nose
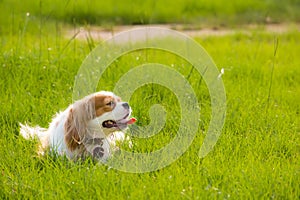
126	106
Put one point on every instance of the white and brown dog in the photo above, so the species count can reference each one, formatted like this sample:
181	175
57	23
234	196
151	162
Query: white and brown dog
90	127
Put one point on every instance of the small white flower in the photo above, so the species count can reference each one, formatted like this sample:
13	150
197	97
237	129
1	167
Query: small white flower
222	72
27	14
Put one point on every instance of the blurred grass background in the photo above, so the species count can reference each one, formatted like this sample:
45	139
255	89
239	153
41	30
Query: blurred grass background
216	13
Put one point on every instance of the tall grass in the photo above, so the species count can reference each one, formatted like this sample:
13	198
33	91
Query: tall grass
257	155
197	12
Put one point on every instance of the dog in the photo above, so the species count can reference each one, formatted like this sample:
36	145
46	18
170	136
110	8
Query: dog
91	126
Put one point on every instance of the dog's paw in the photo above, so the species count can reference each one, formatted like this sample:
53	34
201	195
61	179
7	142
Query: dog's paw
98	152
98	148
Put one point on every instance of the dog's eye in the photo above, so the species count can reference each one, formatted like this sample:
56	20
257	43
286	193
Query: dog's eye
111	103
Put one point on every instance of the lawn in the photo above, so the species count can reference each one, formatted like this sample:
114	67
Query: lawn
256	156
198	12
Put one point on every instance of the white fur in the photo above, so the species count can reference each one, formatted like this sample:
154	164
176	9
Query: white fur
87	124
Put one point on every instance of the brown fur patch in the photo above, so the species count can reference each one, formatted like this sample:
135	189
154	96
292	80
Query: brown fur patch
101	102
72	138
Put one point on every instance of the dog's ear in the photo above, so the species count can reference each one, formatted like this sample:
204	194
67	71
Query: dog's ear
72	137
100	101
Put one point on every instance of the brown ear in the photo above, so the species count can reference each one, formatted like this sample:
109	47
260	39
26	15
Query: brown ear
72	138
100	101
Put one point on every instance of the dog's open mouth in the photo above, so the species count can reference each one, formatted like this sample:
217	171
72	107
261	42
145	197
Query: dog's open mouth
119	123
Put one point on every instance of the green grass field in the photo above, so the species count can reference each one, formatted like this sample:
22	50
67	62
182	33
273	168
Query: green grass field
256	156
217	12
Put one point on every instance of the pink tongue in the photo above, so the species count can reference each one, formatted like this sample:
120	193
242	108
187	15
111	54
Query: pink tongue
132	120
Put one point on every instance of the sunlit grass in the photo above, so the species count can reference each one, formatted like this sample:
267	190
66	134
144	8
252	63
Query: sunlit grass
257	155
107	13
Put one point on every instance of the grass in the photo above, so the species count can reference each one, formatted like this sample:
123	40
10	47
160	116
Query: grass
198	12
256	157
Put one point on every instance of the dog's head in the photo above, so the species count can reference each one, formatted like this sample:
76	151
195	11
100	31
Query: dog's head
100	112
112	113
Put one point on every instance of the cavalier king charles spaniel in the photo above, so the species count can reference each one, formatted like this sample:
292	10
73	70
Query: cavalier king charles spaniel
91	126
